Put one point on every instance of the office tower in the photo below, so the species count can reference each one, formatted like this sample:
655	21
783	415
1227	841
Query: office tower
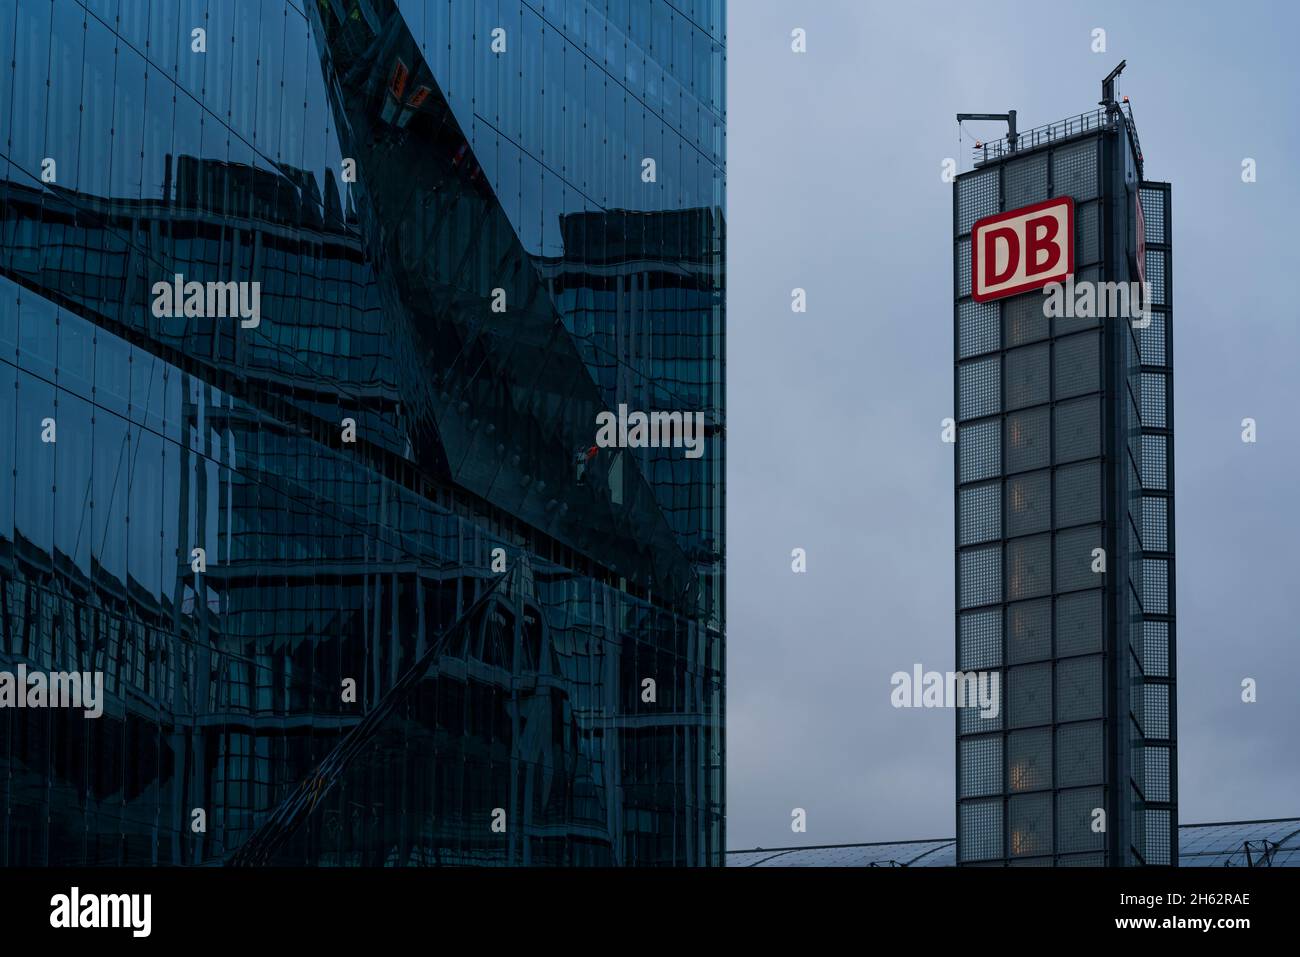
363	586
1064	499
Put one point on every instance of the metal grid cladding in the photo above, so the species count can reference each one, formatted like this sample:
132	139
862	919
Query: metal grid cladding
1159	831
1151	341
1074	170
977	196
1087	234
977	721
1074	822
1079	754
1153	400
1158	636
1155	523
1029	760
981	766
1153	214
980	640
980	508
1155	586
979	390
1029	567
1079	688
1156	276
1078	494
1155	640
1156	711
1154	465
1157	773
1029	824
1027	440
977	328
963	267
1024	181
1074	558
981	576
979	450
1027	377
1023	320
1077	365
1029	695
1078	429
1078	623
1029	497
1029	631
979	830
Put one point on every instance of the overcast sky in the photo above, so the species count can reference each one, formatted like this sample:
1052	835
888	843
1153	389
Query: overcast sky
834	415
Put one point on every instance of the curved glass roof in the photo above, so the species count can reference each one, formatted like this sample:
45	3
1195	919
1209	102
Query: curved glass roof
1273	843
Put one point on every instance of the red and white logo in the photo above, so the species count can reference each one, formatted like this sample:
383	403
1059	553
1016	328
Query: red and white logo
1022	250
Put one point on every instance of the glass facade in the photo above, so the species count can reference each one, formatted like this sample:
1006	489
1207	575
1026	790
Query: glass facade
1064	460
475	226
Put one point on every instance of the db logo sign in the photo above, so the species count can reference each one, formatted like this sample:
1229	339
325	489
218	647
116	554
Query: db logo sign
1022	250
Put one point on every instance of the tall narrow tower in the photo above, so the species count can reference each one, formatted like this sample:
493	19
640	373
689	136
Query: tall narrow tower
1064	484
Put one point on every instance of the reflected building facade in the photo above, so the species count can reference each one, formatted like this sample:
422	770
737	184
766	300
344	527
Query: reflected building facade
463	258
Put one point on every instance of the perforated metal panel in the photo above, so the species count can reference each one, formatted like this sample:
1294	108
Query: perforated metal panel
1157	837
1151	341
980	513
1079	754
977	197
1156	785
977	328
1029	631
1155	586
980	766
979	451
1029	571
1078	429
1079	688
1153	214
1023	320
981	579
1153	400
979	388
1156	276
1027	381
1074	821
1028	503
1025	181
1074	558
979	831
1155	640
1078	494
1029	695
963	267
980	640
1027	440
1155	523
1078	365
1154	474
1029	824
1156	713
976	721
1065	325
1029	760
1087	231
1074	170
1078	623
